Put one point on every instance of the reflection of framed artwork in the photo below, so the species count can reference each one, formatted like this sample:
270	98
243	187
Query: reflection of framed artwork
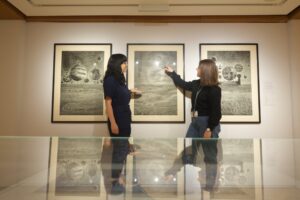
77	83
75	169
240	171
147	170
239	80
161	101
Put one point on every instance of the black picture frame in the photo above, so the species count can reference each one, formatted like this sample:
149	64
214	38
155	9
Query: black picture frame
238	66
145	72
78	71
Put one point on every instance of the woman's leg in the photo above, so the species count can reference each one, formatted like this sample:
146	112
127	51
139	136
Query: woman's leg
120	150
200	126
210	158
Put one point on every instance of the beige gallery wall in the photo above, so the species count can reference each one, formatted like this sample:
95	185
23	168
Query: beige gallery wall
12	52
28	47
27	66
20	158
294	42
35	112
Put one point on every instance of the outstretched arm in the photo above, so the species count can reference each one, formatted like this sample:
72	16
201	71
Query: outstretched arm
177	80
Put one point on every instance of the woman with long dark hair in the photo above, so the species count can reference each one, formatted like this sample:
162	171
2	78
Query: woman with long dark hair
117	97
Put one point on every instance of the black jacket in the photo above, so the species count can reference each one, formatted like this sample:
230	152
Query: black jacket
208	100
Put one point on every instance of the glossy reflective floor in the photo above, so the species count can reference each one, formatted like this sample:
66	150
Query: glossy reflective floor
103	168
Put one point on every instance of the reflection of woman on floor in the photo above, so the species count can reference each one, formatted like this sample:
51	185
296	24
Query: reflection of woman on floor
112	185
117	97
213	156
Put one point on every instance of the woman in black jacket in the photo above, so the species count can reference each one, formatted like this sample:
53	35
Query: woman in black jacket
206	115
206	99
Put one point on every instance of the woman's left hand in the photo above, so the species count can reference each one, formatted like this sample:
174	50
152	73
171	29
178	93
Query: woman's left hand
135	91
168	69
207	134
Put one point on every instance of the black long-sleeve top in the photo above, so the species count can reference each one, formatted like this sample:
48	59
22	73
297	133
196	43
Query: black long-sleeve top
208	100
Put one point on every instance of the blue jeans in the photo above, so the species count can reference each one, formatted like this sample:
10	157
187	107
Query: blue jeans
198	127
196	131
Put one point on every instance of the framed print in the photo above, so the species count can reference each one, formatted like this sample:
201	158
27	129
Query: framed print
77	82
75	171
239	80
160	101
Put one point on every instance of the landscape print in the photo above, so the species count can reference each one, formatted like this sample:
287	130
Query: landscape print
161	100
78	82
159	94
81	85
235	79
238	77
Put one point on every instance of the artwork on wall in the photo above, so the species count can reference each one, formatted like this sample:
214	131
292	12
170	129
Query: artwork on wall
75	169
161	101
239	80
77	83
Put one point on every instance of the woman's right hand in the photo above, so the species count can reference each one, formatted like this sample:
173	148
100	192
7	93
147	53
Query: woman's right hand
168	69
114	128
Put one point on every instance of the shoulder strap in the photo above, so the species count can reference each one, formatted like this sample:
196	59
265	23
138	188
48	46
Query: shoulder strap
197	94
